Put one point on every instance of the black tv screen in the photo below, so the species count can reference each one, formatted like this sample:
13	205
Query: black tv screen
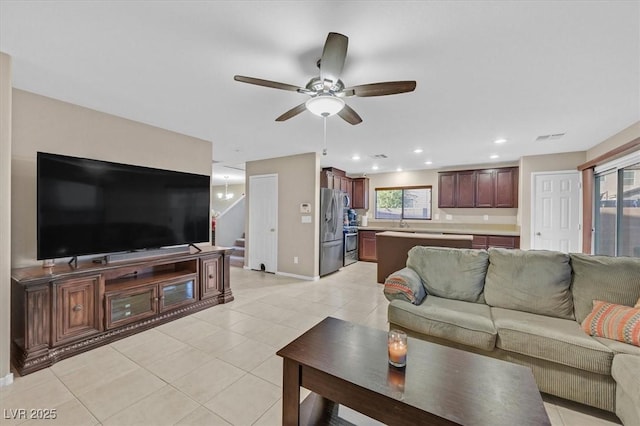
89	207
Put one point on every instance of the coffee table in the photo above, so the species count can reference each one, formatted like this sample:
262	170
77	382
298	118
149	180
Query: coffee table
345	363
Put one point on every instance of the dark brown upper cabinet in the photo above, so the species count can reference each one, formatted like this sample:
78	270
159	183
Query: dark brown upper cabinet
447	189
483	188
360	199
466	189
506	187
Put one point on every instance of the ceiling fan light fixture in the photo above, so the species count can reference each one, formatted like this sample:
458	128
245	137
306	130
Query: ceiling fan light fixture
325	105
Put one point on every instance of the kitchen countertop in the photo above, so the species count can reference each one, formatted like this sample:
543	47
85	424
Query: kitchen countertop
460	229
427	235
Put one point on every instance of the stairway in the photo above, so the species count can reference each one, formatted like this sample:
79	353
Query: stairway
237	257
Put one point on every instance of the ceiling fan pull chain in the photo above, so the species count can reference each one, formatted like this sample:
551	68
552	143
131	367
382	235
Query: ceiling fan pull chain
324	149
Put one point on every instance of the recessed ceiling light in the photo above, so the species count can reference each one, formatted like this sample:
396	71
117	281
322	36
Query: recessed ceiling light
374	167
494	156
500	141
417	150
428	163
399	169
355	157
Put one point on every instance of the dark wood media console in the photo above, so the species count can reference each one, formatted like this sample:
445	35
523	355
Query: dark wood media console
64	310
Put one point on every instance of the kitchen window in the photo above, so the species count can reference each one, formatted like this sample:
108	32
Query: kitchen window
408	202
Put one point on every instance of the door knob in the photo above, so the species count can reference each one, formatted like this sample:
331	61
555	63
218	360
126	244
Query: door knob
538	234
273	230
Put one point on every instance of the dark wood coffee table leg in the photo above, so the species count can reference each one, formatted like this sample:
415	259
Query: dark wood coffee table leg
290	393
314	410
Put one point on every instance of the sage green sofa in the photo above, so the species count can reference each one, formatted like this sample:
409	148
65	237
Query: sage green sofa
526	306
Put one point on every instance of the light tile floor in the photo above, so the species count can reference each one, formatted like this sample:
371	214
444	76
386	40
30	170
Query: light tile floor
216	367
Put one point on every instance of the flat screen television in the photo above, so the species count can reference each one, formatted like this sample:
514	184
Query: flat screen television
95	207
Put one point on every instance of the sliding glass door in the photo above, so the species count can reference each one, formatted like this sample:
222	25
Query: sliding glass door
617	209
629	235
606	213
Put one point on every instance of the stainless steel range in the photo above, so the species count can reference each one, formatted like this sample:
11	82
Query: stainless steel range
350	245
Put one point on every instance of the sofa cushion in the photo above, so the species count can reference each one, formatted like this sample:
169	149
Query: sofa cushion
552	339
405	284
535	281
625	370
612	279
611	321
462	322
451	273
619	347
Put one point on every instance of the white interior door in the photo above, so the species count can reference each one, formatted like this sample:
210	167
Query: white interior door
263	222
556	211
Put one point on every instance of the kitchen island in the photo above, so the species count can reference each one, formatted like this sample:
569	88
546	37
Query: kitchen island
392	247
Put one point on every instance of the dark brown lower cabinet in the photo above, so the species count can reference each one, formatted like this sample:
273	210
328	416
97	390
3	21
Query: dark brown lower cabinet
211	283
500	241
77	307
367	246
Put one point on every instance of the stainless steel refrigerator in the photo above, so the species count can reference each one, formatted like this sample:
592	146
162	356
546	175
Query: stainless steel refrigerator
331	236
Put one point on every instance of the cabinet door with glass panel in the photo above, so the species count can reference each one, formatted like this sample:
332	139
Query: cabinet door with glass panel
123	307
173	294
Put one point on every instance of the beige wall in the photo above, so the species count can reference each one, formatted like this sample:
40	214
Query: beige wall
5	216
49	125
430	177
540	163
220	204
298	182
627	135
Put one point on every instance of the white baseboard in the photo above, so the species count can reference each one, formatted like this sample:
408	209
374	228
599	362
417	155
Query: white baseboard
6	380
287	274
300	277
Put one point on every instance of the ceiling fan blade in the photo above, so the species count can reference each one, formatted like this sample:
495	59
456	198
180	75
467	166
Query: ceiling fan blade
349	115
381	89
333	57
292	112
267	83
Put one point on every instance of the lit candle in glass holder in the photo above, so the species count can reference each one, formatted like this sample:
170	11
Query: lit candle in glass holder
397	344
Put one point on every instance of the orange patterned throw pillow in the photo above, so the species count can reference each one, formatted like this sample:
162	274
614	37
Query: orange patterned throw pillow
405	284
616	322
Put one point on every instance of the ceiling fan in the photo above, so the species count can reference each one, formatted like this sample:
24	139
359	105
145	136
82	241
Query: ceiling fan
327	90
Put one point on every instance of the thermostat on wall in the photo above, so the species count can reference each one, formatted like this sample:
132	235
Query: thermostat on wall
305	208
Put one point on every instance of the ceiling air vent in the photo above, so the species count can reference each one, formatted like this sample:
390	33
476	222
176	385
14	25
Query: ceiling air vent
378	156
552	137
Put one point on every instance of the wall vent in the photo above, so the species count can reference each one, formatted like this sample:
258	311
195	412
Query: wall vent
378	156
551	137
